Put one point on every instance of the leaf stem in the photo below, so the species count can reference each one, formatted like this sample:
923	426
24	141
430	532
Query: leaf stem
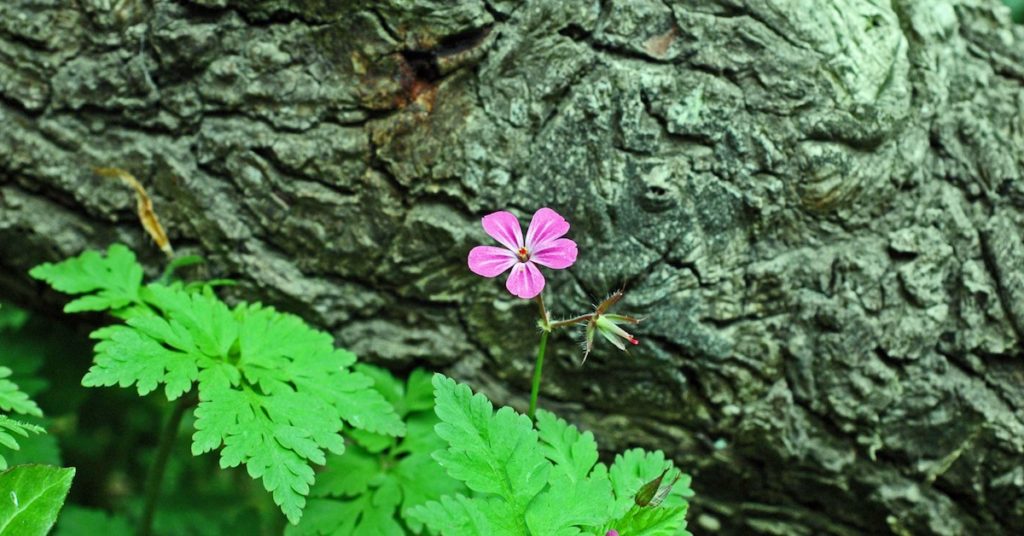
163	453
571	321
537	367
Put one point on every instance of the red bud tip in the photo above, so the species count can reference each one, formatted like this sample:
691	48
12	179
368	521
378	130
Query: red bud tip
634	341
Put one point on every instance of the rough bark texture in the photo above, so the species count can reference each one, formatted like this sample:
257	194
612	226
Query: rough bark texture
816	204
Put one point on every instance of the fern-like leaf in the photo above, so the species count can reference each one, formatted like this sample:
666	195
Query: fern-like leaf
109	282
13	399
631	471
636	467
579	492
543	481
273	392
380	476
494	453
8	429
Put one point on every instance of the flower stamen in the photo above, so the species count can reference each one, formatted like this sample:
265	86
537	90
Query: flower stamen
524	254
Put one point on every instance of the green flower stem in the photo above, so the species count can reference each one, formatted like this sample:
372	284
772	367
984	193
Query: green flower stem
163	453
571	322
537	367
545	322
546	327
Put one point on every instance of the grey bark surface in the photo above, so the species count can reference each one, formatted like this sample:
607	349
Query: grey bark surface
817	206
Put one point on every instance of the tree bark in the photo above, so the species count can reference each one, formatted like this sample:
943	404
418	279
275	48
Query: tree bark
816	206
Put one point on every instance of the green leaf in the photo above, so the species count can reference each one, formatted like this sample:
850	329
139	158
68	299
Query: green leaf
370	441
384	383
366	514
659	521
78	521
176	264
275	436
455	515
12	399
578	495
495	453
371	511
273	392
31	496
348	475
636	467
362	490
38	447
127	355
415	395
535	482
8	427
492	452
419	391
109	282
630	472
422	480
573	453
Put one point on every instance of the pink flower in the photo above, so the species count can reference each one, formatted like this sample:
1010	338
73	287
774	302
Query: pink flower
544	245
612	532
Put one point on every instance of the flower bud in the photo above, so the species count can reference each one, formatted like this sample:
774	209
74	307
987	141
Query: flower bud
608	326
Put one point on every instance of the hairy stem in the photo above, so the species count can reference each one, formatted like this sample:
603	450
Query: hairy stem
545	322
572	321
537	368
163	453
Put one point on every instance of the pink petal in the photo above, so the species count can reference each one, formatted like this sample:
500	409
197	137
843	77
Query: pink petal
504	227
545	226
490	261
557	254
525	281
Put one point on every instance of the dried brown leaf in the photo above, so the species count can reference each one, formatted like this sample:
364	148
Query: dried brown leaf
147	216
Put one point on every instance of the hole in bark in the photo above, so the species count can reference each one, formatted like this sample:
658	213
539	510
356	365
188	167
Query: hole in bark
898	255
462	41
423	65
574	32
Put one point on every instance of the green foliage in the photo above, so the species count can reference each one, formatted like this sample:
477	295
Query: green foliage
32	497
110	282
38	447
8	429
78	521
1016	9
175	519
636	467
273	392
12	399
379	476
18	380
12	318
632	471
537	481
275	395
